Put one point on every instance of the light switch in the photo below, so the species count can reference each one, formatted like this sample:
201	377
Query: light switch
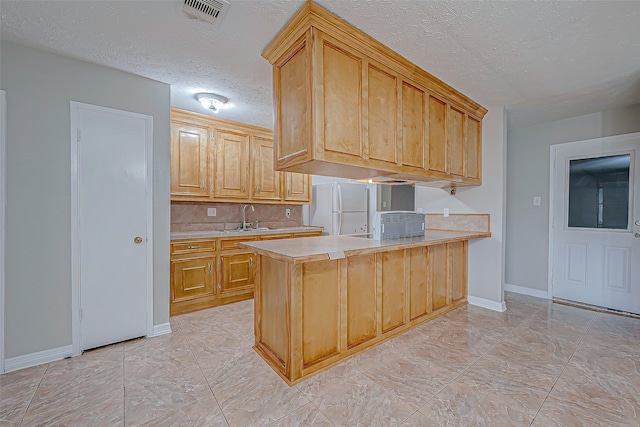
211	211
446	212
537	200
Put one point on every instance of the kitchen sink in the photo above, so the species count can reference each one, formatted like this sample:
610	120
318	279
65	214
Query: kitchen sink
251	229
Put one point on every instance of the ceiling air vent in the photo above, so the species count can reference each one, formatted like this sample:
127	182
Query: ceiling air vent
211	11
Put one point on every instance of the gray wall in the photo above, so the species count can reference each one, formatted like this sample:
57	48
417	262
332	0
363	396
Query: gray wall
527	235
486	268
39	88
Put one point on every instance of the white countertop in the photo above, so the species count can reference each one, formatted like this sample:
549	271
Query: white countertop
332	247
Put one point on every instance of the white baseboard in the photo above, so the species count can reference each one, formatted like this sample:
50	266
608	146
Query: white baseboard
161	329
38	358
526	291
485	303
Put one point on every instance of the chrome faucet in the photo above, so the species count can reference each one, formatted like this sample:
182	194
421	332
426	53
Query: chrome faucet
244	215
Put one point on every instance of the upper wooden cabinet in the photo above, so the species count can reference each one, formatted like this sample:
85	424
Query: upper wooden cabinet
189	161
232	165
296	186
266	181
346	105
216	160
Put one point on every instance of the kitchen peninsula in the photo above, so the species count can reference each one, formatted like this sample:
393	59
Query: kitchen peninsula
321	300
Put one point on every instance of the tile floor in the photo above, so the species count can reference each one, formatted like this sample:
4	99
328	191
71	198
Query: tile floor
538	364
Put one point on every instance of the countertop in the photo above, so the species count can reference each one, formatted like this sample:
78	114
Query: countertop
334	247
208	234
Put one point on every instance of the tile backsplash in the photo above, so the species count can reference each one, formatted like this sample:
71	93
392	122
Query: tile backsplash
193	216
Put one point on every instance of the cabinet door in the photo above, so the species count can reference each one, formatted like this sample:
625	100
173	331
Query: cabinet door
413	132
342	99
192	278
458	270
232	165
265	183
438	276
382	99
189	149
392	265
473	163
420	297
437	135
456	127
237	272
297	187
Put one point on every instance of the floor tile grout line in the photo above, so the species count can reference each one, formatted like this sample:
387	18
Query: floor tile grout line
26	410
470	366
205	377
563	369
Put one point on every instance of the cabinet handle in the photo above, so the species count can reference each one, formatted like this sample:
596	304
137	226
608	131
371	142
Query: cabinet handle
288	191
209	267
251	262
257	189
193	247
243	188
202	185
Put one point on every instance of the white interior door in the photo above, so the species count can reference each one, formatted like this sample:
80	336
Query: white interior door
596	222
112	224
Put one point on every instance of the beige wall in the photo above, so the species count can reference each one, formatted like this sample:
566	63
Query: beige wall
527	232
39	87
485	255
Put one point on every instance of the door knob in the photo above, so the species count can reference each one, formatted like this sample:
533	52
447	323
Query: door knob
137	239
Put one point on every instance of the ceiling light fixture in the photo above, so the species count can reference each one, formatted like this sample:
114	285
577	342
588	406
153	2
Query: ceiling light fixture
212	101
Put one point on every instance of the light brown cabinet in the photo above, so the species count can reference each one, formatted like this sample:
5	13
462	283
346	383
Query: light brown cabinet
231	179
346	105
216	160
189	160
266	181
210	272
311	315
297	187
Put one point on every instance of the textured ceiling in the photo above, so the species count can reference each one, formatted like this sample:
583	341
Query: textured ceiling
543	60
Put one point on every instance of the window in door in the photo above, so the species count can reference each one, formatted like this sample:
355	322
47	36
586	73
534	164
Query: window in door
599	192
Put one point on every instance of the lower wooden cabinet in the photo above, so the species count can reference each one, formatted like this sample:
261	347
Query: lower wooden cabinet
314	314
193	278
210	272
237	272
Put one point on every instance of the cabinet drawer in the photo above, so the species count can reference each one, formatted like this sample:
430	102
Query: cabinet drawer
312	234
275	236
180	247
232	243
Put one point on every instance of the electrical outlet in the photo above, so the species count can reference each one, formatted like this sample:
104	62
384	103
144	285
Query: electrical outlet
446	212
287	212
384	204
211	211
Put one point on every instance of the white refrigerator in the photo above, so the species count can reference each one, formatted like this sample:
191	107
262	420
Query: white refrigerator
341	208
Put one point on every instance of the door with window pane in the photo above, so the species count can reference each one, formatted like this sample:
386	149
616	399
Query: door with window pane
596	222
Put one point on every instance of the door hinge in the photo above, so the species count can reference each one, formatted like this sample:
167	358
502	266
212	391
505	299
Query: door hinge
78	134
81	314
